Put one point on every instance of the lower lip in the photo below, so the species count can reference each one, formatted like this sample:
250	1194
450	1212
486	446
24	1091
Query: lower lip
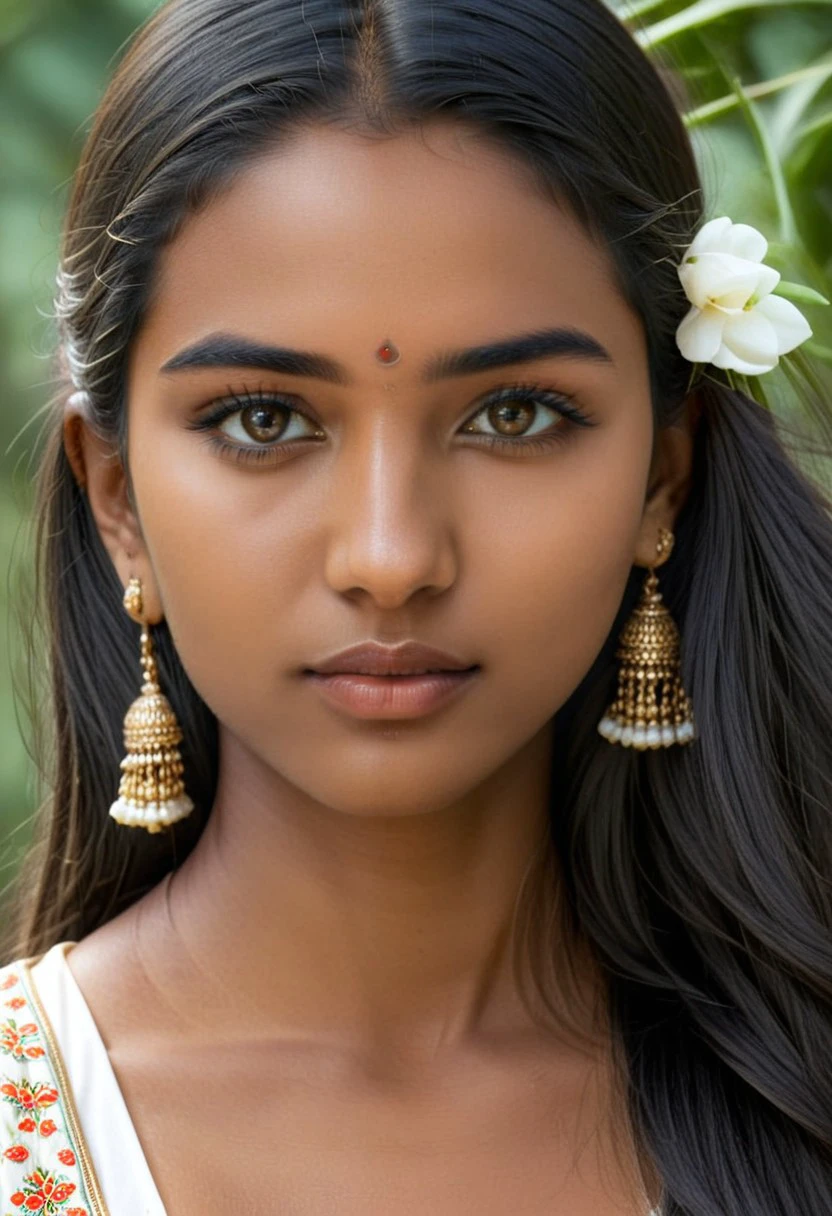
392	696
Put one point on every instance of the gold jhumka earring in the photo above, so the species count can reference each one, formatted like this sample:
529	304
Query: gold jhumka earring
651	708
151	793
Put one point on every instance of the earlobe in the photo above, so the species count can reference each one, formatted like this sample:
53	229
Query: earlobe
99	472
671	476
74	413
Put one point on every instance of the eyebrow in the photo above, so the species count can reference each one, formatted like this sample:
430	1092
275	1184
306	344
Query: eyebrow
231	350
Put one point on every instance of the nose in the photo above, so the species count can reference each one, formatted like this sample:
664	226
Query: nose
392	529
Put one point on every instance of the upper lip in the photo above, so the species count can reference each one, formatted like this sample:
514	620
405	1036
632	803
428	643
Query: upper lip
376	659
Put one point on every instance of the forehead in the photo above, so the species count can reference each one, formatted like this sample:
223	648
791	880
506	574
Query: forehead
431	232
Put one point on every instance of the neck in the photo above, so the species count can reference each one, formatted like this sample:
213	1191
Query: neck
394	933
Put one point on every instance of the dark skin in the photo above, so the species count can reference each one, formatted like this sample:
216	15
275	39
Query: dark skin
339	937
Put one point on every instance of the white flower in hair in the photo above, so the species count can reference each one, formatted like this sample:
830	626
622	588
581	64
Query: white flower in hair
735	322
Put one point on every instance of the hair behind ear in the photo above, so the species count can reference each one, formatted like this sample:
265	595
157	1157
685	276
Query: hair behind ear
82	870
701	873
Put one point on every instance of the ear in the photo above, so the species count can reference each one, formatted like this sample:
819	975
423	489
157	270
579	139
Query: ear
99	472
671	475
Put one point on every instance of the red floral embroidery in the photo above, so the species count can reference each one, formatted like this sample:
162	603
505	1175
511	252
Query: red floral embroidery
13	1040
43	1191
29	1099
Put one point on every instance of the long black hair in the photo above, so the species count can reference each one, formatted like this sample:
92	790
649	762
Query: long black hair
699	877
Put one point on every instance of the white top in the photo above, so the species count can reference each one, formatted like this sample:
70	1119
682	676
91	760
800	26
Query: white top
67	1142
65	1132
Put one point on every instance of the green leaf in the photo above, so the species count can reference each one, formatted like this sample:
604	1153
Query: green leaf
793	105
799	292
812	128
788	226
817	74
629	10
702	12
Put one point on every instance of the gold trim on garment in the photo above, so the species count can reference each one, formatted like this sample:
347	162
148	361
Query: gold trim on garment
99	1207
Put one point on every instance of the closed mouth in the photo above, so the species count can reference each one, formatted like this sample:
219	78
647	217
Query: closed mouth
395	675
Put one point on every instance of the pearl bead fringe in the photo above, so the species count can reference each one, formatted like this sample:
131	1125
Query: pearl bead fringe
643	737
154	815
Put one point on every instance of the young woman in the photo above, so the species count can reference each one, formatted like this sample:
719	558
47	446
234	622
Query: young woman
483	743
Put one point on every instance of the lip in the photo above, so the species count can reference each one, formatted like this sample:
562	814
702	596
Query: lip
376	659
391	697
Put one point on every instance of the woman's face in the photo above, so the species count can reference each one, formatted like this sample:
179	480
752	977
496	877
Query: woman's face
371	512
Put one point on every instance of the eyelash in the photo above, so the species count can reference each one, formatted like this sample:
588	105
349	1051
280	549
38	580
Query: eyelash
533	394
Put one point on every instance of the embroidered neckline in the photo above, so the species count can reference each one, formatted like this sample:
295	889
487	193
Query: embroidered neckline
66	1096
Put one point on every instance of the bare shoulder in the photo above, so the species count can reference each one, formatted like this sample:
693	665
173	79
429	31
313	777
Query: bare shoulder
104	966
101	952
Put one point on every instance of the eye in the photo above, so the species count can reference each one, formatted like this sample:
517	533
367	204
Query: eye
511	410
265	426
266	421
257	421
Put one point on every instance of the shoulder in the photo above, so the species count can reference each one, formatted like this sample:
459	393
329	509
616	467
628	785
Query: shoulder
38	1161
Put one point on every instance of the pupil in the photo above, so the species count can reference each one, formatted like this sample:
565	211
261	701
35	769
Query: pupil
515	417
260	421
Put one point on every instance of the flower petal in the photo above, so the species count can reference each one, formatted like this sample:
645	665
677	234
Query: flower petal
790	325
712	236
722	278
749	339
768	280
747	242
726	358
700	333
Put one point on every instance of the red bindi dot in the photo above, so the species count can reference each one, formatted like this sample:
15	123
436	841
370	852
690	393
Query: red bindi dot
388	353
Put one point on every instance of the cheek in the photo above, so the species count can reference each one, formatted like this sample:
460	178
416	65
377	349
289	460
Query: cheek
563	565
227	557
565	598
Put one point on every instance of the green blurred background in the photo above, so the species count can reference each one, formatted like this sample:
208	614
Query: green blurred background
754	81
